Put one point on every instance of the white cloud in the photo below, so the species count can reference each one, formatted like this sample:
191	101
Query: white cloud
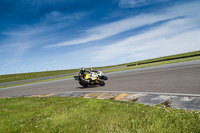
8	63
26	37
106	30
176	36
113	28
137	3
132	3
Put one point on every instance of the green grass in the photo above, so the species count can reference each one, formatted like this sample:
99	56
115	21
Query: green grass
24	76
153	64
66	114
166	57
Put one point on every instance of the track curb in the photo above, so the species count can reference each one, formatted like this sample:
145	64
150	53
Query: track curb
184	102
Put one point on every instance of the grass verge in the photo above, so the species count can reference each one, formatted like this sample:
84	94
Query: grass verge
25	76
67	114
153	64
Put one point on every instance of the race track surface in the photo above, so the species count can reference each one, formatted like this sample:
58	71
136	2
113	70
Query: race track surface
179	78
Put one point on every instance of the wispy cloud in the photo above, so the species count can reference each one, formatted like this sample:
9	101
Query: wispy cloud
172	37
110	29
21	42
44	32
113	28
8	63
134	3
138	3
50	22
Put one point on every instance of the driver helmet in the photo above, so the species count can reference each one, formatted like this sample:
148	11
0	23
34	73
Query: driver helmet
91	69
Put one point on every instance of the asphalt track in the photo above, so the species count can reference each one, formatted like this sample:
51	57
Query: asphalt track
177	78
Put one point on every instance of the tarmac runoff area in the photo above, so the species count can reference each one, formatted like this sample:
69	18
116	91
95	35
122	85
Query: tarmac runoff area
184	102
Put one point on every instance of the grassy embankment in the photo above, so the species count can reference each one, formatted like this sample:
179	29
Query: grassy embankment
66	114
24	76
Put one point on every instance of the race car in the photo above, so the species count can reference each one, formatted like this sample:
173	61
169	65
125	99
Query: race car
90	79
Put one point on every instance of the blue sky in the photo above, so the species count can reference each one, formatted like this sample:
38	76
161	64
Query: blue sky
43	35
